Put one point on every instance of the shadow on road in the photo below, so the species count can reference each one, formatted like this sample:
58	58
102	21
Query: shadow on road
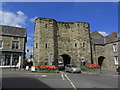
23	82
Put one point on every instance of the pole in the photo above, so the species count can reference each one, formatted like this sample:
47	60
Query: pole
100	70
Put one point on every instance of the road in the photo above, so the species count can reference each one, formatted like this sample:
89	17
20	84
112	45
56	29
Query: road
27	79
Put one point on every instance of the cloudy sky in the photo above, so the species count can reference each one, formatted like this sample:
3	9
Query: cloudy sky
102	16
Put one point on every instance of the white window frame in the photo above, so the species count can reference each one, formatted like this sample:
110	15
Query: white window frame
15	45
116	60
114	47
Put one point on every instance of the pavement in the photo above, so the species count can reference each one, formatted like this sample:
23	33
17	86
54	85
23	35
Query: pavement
103	72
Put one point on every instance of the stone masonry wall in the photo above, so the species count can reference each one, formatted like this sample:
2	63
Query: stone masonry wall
71	34
60	38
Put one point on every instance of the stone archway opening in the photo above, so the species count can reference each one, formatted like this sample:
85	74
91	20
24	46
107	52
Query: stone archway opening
66	59
100	60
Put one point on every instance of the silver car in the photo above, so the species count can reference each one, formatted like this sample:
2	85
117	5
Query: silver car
72	68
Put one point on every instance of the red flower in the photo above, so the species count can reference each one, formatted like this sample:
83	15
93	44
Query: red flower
92	65
47	67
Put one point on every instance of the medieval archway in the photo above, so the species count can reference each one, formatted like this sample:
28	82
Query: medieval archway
66	59
100	60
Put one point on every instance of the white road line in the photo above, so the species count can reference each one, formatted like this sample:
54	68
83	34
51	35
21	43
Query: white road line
62	76
70	82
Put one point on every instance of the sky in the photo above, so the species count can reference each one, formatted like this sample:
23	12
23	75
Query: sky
102	16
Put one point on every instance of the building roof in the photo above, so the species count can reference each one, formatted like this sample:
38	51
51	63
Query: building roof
113	40
97	38
12	31
96	35
97	41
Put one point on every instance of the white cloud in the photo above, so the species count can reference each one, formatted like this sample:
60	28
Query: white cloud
29	51
12	19
20	13
103	33
33	19
29	38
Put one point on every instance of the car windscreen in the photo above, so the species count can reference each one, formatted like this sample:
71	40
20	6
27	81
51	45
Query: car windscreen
73	66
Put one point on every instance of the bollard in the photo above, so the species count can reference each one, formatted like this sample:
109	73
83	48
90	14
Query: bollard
27	67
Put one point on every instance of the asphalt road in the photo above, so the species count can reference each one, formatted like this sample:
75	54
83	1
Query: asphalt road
27	79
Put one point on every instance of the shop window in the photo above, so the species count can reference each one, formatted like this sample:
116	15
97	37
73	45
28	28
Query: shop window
2	61
1	44
7	59
15	45
15	59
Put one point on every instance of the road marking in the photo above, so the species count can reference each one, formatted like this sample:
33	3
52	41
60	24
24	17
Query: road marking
44	76
62	76
70	82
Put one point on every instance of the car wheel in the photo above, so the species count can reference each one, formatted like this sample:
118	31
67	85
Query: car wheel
72	71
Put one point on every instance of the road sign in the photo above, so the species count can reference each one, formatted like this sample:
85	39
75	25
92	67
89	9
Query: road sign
50	60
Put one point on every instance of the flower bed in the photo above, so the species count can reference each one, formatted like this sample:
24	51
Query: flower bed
92	65
47	69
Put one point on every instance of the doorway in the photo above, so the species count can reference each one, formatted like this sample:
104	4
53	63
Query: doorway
100	60
66	59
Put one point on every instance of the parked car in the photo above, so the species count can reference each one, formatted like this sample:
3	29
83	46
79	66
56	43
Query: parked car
118	69
71	68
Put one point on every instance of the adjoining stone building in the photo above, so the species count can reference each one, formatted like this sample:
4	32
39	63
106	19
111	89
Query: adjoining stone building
105	49
12	46
53	40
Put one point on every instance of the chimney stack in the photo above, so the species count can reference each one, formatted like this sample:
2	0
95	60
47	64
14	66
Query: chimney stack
114	35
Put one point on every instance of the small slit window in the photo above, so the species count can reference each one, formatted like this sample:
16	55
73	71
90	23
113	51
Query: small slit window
46	45
45	25
36	45
75	44
83	44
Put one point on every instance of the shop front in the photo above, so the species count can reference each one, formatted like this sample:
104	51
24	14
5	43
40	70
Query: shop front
10	59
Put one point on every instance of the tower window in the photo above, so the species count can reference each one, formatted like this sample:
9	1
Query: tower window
75	44
45	25
36	45
46	45
83	44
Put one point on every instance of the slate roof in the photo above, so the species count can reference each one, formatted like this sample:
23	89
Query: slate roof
12	31
97	41
114	40
102	40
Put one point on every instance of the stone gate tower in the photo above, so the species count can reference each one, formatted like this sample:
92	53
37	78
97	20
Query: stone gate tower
69	40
